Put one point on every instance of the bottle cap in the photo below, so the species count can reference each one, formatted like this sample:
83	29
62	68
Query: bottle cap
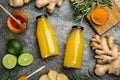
41	16
79	27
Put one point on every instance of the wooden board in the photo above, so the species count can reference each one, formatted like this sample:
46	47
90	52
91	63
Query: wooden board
114	18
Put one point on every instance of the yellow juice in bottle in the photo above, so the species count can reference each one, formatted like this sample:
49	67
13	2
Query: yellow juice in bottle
74	48
46	37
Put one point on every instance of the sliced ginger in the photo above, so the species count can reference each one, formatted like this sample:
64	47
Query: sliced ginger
54	75
107	55
50	4
44	77
18	3
62	76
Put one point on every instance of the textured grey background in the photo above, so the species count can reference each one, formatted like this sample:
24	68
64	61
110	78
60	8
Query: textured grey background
62	21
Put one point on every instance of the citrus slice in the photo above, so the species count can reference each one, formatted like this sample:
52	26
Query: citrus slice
25	59
9	61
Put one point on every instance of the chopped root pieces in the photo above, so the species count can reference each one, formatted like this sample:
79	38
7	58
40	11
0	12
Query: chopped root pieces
18	3
62	77
44	77
54	75
50	4
107	55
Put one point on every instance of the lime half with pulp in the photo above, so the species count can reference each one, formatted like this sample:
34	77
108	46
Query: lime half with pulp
25	59
9	61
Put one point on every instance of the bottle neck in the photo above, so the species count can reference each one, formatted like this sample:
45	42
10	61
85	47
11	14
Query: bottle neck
77	29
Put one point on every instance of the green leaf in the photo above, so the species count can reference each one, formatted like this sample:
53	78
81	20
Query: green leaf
83	7
8	76
88	76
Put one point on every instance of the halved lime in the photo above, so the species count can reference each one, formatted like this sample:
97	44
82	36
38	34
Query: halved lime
14	46
9	61
25	59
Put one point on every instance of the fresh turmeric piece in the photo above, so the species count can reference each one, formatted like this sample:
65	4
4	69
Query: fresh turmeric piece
107	55
100	16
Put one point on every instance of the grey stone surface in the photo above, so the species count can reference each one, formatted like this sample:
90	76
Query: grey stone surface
62	21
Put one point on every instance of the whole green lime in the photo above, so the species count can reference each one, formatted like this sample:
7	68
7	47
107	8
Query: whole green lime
14	46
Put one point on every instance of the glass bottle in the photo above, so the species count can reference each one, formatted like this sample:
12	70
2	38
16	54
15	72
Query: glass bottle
74	48
46	37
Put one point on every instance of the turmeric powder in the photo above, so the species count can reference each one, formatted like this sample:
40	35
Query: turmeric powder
100	16
23	78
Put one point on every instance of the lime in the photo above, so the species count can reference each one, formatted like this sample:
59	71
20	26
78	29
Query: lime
25	59
14	46
9	61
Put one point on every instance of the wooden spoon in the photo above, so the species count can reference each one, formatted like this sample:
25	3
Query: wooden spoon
36	71
21	25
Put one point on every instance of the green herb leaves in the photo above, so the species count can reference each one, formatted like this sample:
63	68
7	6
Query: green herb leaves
104	2
88	76
83	7
8	76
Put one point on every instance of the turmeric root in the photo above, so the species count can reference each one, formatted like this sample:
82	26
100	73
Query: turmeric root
50	4
107	55
18	3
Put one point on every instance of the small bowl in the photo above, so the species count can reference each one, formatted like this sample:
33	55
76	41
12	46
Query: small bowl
100	14
13	25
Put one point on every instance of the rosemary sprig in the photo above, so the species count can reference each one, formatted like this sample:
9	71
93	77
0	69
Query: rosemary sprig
8	76
83	7
88	76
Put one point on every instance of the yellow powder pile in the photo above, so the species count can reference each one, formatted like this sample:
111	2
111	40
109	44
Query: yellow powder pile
100	15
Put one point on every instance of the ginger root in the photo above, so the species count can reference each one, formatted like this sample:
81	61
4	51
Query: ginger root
18	3
54	75
74	0
107	55
50	4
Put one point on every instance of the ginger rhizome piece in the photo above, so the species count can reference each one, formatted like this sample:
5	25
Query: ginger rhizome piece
51	4
53	75
18	3
107	55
